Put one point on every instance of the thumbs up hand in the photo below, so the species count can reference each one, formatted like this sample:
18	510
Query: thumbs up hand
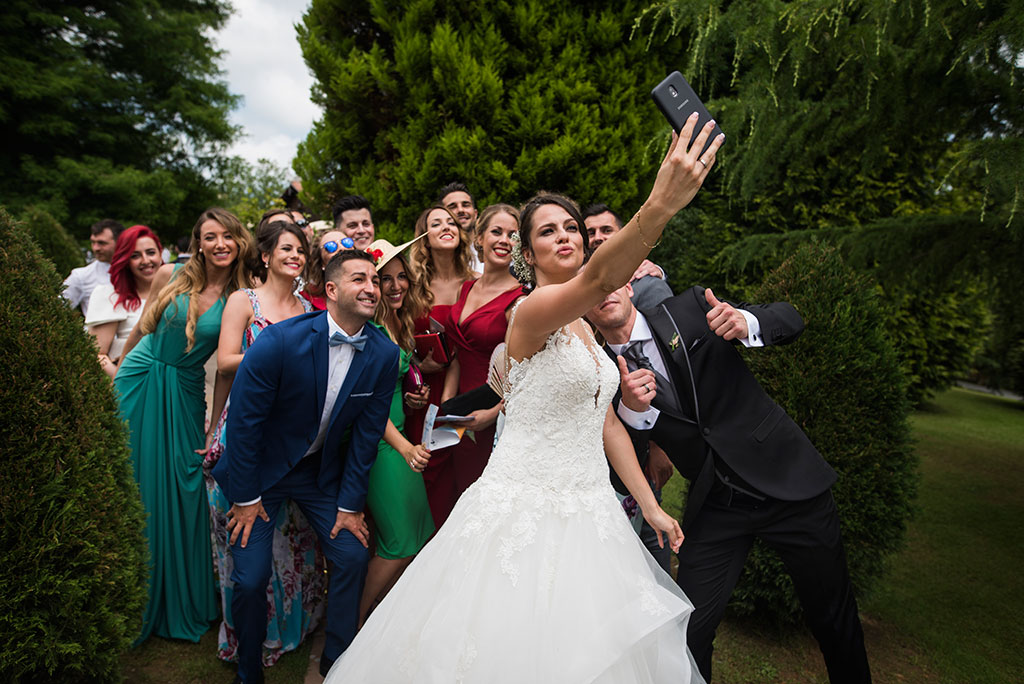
724	320
638	387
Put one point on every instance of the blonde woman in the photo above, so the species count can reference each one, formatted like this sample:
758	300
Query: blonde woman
161	383
440	265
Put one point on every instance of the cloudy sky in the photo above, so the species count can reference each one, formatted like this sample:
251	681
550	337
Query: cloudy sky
263	63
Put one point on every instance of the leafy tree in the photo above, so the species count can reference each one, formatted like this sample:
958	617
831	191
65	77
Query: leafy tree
111	108
72	554
247	190
510	97
848	111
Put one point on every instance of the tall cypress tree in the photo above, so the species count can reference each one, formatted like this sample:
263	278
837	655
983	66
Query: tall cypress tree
509	97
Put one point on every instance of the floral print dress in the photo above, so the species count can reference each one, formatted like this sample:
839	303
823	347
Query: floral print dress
296	592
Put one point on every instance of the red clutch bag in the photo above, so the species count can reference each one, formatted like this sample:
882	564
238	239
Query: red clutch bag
435	342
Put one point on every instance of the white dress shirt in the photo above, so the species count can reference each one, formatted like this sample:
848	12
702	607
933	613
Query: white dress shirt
78	286
641	332
339	360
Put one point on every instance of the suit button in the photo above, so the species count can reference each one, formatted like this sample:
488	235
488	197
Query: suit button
707	431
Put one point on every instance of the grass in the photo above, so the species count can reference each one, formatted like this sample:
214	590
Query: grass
958	587
167	661
949	610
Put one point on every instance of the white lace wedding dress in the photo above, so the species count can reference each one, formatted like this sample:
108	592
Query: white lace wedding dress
537	576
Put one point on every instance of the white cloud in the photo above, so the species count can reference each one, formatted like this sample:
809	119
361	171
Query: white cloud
263	63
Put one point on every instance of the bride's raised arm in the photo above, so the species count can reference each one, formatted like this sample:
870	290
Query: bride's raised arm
558	303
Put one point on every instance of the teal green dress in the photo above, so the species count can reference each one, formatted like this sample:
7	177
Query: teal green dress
162	391
396	496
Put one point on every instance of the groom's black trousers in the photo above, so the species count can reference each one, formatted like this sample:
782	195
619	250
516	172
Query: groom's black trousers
806	536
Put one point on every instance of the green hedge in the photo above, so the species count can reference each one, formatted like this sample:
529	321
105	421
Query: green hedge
842	383
57	245
72	554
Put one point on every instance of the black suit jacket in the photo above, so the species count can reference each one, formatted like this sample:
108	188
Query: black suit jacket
724	409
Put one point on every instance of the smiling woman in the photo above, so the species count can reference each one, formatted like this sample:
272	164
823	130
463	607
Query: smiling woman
115	307
160	383
440	266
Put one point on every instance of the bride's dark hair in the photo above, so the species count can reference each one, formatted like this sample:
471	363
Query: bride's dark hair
538	201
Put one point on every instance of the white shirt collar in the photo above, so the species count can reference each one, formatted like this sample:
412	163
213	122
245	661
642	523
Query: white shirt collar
641	331
333	327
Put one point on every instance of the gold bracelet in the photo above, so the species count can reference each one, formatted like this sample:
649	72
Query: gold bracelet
640	230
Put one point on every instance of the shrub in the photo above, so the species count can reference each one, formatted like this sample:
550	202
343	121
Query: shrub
57	245
842	383
72	554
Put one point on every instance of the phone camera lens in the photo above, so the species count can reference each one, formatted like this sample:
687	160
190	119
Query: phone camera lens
672	91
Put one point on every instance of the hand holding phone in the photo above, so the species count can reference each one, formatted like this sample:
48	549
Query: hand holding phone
677	101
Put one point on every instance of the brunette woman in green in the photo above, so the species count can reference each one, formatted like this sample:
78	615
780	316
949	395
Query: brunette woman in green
397	497
161	385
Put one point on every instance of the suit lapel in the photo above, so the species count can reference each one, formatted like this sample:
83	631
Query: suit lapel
320	356
665	337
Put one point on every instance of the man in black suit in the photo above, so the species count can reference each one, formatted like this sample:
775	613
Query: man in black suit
753	472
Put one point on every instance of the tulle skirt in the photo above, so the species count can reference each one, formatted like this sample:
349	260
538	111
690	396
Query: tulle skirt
520	586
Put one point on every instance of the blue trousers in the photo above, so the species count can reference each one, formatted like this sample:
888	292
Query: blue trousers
346	555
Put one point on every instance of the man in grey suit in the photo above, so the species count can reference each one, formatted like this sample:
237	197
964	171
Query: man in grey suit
649	286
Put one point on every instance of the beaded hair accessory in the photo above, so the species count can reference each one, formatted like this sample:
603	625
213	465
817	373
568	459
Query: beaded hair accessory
523	271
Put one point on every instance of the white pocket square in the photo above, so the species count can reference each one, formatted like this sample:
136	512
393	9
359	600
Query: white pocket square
364	394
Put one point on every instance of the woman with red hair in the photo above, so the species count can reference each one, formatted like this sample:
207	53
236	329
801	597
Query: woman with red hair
115	307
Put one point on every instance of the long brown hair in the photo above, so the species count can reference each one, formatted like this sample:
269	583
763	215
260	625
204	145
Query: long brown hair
422	260
191	278
413	307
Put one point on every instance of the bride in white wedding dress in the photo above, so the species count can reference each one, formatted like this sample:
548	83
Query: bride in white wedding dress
537	576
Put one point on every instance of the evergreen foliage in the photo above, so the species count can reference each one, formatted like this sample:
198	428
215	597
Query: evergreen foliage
111	108
510	97
950	285
842	383
247	190
72	554
53	240
852	110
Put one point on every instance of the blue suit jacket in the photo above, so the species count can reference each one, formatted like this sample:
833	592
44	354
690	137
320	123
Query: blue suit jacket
276	402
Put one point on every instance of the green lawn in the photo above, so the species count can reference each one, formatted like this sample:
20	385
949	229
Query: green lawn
950	609
959	587
167	661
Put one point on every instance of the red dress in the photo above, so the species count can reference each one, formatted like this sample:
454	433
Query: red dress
439	475
475	339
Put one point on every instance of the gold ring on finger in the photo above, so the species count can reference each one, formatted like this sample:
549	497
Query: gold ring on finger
703	162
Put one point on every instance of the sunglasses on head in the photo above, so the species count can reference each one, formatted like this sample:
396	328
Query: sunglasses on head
301	223
333	246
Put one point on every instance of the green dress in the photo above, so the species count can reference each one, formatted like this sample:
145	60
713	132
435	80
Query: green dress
162	391
397	497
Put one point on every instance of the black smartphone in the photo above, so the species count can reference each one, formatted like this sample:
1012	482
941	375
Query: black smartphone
677	101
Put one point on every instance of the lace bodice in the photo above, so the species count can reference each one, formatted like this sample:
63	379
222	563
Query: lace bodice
555	406
550	457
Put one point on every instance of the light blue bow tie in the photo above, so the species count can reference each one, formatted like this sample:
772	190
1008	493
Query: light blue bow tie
358	341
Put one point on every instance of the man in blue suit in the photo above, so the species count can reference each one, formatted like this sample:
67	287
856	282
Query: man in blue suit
309	404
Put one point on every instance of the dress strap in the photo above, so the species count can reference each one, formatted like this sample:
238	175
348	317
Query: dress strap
255	302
